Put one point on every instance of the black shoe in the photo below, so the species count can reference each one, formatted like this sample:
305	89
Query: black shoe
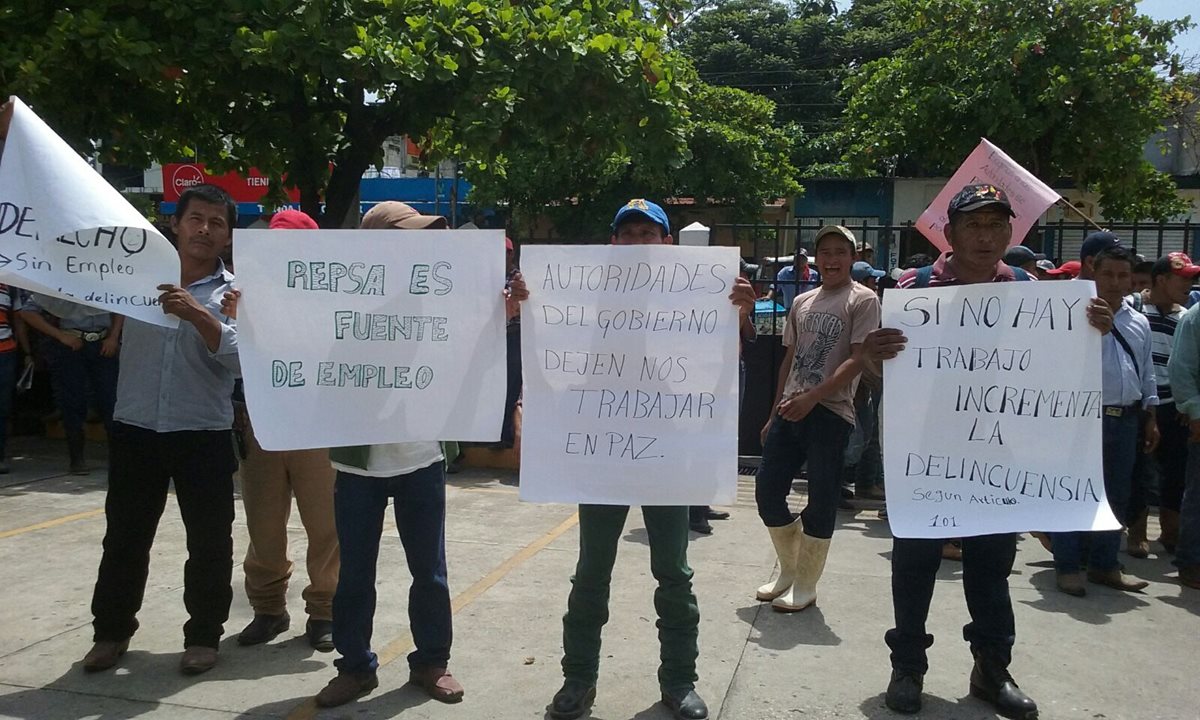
904	692
991	682
700	526
685	703
320	635
264	628
572	700
716	514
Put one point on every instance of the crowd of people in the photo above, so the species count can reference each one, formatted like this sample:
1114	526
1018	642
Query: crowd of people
172	415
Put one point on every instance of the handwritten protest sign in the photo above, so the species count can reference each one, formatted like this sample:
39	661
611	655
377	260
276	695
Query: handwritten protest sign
630	362
988	164
359	337
990	373
66	233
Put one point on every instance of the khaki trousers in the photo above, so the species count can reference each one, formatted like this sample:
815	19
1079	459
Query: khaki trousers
269	481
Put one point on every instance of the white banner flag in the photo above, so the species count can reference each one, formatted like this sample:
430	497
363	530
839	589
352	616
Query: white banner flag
630	356
362	337
991	415
65	232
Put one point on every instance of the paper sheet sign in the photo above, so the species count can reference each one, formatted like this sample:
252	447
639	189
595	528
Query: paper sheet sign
361	337
987	163
630	362
65	232
991	415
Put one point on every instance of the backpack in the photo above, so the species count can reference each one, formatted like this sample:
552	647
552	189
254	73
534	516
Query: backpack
925	274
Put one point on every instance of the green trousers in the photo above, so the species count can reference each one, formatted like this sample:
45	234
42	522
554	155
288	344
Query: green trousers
678	624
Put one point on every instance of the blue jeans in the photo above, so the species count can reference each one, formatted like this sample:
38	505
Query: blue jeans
8	377
1187	551
1120	455
819	438
986	564
359	503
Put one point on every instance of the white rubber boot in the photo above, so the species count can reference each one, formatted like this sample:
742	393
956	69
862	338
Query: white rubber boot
810	563
784	539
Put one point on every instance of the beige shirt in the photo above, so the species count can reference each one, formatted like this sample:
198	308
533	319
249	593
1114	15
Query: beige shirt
822	325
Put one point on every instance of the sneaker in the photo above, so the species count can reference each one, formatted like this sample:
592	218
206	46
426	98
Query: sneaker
345	687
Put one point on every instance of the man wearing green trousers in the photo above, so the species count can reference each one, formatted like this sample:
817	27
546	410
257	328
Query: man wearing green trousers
639	222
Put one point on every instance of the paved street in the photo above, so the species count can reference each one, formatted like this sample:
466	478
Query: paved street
1108	656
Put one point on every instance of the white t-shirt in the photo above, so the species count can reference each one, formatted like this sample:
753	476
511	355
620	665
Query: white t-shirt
396	459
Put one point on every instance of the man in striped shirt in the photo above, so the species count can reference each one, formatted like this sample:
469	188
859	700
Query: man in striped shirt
1171	279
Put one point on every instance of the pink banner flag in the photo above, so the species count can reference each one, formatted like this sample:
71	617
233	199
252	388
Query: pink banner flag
988	164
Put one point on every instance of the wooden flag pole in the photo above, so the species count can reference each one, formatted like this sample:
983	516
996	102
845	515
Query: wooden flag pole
1062	202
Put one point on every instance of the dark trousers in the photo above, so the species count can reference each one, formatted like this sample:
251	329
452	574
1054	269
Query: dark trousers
78	375
513	394
1120	454
359	504
678	624
1170	457
869	471
142	465
986	563
8	377
820	438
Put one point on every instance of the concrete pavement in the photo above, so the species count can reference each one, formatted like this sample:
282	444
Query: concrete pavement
1109	655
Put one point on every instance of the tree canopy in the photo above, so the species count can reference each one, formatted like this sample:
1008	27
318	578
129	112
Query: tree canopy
1069	88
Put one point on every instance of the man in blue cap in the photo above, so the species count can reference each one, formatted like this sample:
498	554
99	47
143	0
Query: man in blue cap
638	222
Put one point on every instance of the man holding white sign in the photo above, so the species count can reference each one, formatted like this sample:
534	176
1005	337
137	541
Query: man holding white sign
173	422
664	401
979	232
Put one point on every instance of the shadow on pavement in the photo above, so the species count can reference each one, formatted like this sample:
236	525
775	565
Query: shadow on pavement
784	631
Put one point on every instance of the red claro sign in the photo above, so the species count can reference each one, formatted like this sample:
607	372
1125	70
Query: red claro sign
178	177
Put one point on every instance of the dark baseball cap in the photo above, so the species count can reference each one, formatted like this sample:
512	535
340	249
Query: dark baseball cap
1018	255
979	196
1096	242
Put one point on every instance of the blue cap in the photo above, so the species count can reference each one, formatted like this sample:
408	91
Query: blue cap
1096	242
862	270
646	209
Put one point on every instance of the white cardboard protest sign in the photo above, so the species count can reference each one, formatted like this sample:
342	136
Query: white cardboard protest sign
362	337
987	163
991	372
65	232
630	357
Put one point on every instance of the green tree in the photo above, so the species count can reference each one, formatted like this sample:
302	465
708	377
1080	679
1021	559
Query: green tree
735	158
311	89
1069	88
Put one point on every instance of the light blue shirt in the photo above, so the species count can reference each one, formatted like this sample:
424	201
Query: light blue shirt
1184	364
1125	383
786	286
169	379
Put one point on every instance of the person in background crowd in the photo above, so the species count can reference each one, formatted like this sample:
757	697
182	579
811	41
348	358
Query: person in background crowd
172	425
863	453
1171	279
979	233
1129	397
13	337
700	515
1184	370
812	417
269	482
1142	274
1024	258
916	260
508	429
866	254
638	222
1043	269
1067	271
793	280
81	350
412	476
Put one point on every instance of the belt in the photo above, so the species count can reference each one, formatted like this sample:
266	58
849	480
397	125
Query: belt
87	335
1121	410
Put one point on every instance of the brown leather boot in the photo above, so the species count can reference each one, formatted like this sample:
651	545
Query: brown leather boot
1138	546
1115	579
1168	520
